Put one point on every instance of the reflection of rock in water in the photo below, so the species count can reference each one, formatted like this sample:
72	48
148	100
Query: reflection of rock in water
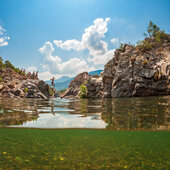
16	112
137	113
16	118
149	113
52	108
85	107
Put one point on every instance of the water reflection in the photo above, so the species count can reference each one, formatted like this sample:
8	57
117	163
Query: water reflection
151	113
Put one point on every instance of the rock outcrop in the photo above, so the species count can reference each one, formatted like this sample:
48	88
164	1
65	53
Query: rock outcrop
15	85
134	73
74	87
131	73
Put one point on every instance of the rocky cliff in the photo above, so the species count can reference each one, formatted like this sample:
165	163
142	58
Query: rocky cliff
133	72
74	86
18	85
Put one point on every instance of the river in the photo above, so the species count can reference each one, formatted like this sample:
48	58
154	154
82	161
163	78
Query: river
148	113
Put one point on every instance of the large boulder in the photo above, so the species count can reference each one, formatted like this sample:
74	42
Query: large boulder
44	88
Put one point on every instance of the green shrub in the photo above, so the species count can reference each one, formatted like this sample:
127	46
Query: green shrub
160	36
122	47
17	70
61	91
1	78
83	91
85	82
26	90
51	92
144	45
154	31
9	65
2	65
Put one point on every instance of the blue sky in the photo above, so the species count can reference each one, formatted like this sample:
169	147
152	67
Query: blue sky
50	36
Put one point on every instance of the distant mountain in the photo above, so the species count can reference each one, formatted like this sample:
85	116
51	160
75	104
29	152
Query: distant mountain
98	72
64	81
61	79
63	85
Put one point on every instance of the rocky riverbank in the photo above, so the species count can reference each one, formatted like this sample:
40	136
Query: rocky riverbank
134	71
19	85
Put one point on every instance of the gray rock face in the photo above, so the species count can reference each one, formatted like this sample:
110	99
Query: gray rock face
94	87
16	87
74	87
44	88
131	73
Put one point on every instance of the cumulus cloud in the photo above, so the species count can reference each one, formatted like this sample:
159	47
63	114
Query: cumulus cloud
102	59
31	69
92	39
46	75
64	121
69	44
114	40
55	65
3	37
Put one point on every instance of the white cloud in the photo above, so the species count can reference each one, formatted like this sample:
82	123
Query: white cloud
69	44
3	38
47	76
55	66
47	48
64	121
91	40
114	40
32	69
102	59
2	30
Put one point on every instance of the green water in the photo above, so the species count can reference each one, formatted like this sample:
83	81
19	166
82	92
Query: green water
83	149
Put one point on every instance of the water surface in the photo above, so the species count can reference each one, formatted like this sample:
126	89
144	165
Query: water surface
149	113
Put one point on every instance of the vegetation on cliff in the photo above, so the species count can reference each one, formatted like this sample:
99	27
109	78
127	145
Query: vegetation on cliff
154	33
7	64
83	91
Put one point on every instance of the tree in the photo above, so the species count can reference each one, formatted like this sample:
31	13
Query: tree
153	29
9	65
